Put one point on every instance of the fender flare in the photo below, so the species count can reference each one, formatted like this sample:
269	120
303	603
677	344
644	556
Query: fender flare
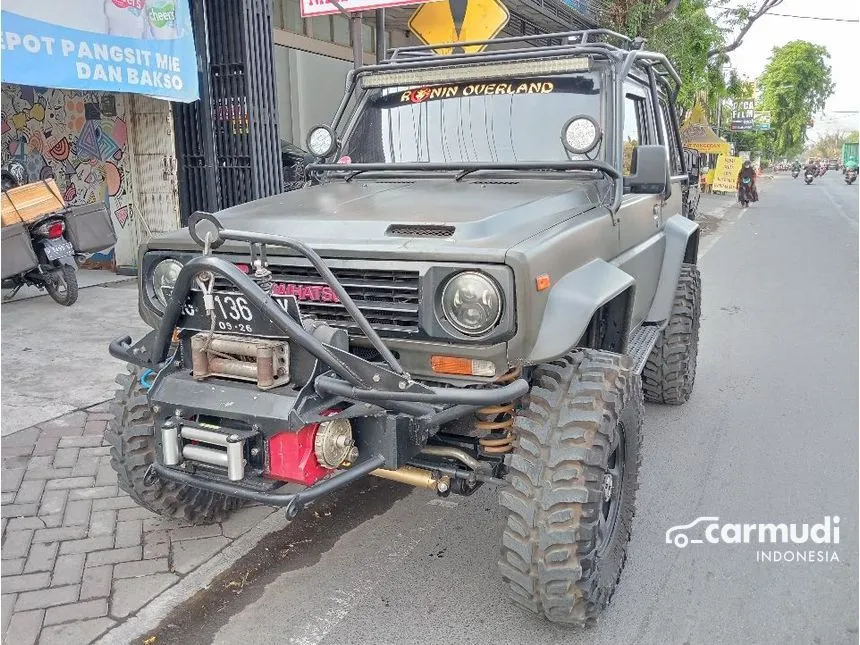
571	305
678	231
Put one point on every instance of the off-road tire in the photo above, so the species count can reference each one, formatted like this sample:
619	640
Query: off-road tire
63	276
131	435
565	437
670	371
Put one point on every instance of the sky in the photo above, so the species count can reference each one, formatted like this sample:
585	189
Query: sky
842	39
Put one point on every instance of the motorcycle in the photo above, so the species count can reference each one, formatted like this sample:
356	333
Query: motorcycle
55	270
808	176
850	175
795	173
745	194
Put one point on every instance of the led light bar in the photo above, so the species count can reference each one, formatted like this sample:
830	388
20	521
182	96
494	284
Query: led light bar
479	72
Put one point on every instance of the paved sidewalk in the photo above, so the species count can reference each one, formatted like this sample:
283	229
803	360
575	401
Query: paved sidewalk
78	556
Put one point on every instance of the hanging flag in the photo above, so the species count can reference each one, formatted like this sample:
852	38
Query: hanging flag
139	46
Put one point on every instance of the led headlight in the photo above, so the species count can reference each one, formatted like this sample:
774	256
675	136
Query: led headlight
472	303
164	279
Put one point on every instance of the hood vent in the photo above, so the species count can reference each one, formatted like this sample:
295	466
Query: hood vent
420	230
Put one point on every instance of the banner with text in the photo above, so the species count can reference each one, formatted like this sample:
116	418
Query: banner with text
139	46
726	175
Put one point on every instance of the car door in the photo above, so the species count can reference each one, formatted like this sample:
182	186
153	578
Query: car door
640	217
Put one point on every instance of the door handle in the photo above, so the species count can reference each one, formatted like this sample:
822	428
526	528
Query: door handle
656	211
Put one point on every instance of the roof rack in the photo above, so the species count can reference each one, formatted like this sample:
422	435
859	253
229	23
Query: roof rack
598	43
604	37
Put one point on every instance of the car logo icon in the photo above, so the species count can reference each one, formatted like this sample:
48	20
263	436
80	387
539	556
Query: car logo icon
677	535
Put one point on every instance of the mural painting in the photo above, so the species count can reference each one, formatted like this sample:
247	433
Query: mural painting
77	137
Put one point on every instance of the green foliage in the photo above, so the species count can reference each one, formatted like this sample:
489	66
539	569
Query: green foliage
795	84
829	146
852	137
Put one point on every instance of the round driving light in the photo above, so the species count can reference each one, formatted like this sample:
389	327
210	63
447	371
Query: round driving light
580	134
472	303
164	279
321	141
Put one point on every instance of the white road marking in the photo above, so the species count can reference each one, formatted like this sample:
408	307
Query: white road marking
839	209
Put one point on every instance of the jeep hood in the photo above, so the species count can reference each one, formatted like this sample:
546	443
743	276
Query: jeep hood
353	220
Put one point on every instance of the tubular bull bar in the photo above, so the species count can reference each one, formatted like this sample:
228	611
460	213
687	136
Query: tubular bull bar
348	376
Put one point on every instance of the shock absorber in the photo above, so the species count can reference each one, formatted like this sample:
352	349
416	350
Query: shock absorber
495	422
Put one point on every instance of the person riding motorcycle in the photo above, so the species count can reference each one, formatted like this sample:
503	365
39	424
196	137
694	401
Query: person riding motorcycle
748	172
795	166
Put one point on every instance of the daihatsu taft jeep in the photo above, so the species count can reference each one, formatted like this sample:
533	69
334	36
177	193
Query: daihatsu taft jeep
486	273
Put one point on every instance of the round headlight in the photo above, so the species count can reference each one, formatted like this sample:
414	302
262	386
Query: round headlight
322	141
580	134
164	279
472	303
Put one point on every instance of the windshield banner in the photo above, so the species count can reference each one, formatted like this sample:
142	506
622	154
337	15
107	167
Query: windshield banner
572	85
139	46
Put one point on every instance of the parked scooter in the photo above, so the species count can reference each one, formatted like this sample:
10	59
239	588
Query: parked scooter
55	271
850	175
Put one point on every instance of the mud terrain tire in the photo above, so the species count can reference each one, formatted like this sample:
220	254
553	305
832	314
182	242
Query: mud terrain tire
131	435
670	371
564	545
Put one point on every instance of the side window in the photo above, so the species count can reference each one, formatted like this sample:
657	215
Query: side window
672	142
635	130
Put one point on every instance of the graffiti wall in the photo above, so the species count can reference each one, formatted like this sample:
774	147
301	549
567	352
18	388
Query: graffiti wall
80	139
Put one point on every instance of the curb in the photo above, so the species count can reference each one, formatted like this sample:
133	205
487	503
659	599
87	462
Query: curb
156	610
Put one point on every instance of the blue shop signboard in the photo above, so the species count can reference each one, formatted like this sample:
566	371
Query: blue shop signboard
139	46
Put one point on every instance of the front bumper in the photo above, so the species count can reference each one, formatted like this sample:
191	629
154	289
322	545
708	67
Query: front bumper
398	414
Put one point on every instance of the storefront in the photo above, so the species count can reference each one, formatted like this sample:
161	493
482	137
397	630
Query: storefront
100	147
78	107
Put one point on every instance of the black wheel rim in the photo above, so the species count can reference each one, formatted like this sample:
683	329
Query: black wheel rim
612	489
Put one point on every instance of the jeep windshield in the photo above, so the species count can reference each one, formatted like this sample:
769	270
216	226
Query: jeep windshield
516	121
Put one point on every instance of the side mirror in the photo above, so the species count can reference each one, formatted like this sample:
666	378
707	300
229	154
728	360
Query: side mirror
650	171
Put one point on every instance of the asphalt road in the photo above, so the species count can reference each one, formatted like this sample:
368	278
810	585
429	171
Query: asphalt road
770	435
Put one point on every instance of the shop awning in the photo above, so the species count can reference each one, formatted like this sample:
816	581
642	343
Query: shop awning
133	46
698	135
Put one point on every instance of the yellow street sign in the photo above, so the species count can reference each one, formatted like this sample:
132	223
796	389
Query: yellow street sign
457	21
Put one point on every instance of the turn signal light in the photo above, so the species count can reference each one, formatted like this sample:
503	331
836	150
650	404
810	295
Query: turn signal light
461	365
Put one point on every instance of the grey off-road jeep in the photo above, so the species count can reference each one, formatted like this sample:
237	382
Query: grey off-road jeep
488	271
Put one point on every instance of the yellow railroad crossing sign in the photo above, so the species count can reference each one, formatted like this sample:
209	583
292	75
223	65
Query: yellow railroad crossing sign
457	21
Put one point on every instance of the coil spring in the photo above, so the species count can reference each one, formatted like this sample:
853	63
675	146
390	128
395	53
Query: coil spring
496	422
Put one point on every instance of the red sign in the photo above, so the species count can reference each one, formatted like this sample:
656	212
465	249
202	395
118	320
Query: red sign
305	292
312	8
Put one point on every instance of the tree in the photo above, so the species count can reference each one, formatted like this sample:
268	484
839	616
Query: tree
694	34
739	20
795	84
829	146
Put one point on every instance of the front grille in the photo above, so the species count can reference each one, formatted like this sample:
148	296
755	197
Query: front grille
388	298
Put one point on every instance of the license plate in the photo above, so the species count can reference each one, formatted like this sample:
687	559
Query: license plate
56	249
234	314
